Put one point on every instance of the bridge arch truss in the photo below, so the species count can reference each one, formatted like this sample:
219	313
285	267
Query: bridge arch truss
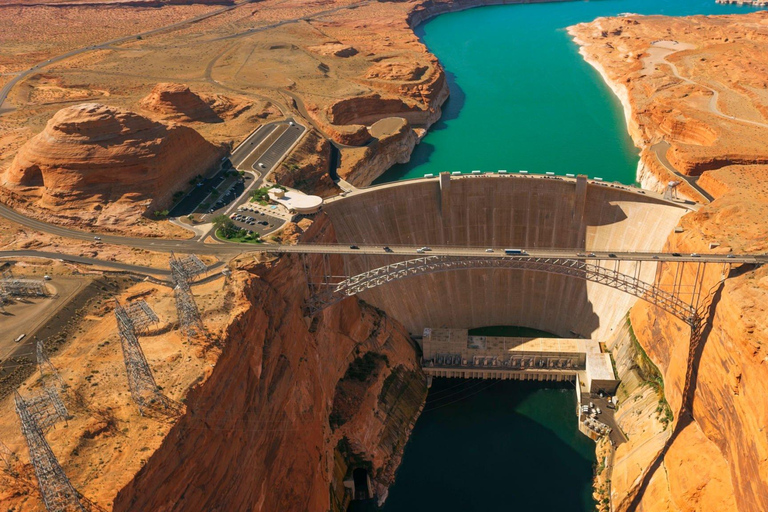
332	290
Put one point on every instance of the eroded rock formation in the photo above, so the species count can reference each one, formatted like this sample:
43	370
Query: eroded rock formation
269	431
393	142
178	103
307	167
100	164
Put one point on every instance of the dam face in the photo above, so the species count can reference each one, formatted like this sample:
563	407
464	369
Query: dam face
503	212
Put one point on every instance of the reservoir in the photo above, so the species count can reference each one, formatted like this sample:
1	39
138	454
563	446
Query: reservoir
522	98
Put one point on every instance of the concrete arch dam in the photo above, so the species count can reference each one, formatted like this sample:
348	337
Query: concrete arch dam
497	211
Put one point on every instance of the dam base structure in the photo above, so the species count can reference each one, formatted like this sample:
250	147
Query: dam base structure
587	252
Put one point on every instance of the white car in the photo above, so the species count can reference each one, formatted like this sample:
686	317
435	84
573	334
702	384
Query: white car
489	250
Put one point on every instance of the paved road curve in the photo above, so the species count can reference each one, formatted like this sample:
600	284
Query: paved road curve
37	67
136	269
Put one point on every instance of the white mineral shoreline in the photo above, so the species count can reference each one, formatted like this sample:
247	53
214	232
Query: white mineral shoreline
644	177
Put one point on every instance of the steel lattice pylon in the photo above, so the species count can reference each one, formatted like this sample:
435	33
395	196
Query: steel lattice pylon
47	408
44	362
141	316
57	491
141	382
334	292
182	272
12	286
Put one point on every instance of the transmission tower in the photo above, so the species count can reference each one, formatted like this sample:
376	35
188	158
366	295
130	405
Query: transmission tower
141	316
44	363
190	266
8	458
57	491
141	382
182	272
47	408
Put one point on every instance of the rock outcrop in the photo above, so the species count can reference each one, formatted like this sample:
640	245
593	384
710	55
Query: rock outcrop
393	142
177	102
335	49
307	167
92	161
268	431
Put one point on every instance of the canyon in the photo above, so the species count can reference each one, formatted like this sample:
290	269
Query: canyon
695	82
302	405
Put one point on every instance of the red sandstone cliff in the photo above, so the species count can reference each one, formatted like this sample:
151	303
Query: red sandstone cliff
306	168
393	142
257	436
699	94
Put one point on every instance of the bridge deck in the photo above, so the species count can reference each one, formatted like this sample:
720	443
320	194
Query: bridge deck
496	252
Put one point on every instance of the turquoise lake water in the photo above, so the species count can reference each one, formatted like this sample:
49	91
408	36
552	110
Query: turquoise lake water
523	98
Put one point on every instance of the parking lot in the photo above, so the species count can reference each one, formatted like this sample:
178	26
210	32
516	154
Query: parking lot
256	220
199	193
226	190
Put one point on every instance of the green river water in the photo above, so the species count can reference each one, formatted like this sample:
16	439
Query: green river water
521	98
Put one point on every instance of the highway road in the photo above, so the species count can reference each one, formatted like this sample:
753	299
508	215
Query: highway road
571	254
116	265
660	150
226	250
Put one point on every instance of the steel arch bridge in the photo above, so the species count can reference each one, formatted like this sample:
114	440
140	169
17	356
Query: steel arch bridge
333	289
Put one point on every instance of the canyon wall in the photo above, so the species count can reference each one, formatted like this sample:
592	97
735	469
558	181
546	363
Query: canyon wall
393	142
496	211
287	406
699	94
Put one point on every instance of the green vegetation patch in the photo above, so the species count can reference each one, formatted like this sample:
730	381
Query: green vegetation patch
363	367
650	374
228	230
261	195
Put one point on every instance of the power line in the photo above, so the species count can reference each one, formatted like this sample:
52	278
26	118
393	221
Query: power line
44	362
141	382
57	491
183	271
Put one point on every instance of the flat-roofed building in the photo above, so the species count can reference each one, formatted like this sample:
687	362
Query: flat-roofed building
454	353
